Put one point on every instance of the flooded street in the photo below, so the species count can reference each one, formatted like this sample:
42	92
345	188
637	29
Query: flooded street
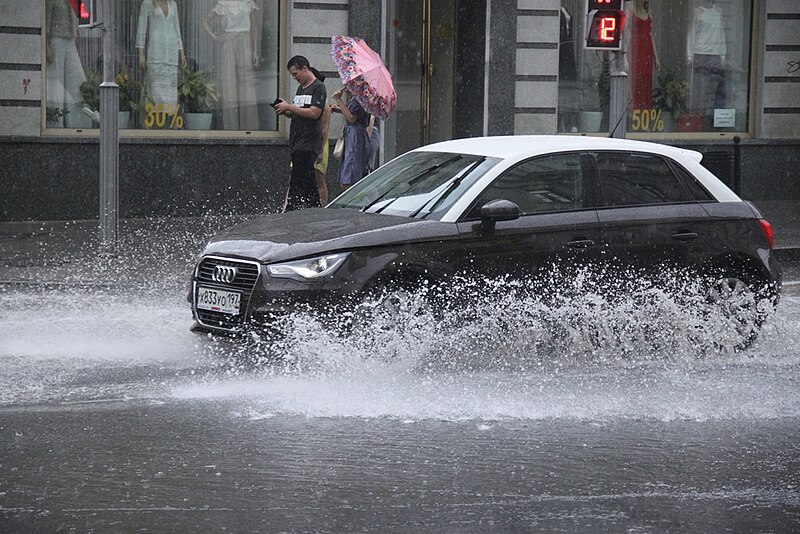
114	417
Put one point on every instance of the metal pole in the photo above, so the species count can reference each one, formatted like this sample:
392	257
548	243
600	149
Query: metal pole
618	107
109	136
387	61
737	165
487	63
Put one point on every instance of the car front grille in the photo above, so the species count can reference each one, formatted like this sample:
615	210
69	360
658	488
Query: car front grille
245	281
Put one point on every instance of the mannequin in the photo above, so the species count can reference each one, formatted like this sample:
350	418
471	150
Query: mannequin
567	69
568	97
705	52
64	69
642	55
159	30
237	54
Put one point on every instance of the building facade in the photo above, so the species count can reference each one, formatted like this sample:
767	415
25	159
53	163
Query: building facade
700	73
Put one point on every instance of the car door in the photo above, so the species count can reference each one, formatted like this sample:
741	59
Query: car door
650	217
557	226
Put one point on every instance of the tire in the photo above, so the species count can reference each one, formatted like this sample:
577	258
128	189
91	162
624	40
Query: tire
398	303
743	302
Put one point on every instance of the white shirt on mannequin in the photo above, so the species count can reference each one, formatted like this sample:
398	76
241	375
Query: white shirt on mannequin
707	34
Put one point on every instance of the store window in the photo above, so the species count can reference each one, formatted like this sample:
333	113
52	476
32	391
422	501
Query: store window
181	65
688	64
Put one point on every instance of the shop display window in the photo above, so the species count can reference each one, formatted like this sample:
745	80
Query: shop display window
688	65
180	64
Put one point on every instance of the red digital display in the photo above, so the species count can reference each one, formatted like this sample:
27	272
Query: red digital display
605	20
607	31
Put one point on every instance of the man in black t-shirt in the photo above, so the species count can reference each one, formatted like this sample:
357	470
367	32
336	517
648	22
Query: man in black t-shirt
305	133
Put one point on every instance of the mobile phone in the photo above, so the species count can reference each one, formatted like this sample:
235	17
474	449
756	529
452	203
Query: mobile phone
276	102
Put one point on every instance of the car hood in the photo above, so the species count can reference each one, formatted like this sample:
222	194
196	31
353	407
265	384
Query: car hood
313	231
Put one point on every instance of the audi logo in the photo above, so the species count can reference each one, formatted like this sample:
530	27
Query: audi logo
223	274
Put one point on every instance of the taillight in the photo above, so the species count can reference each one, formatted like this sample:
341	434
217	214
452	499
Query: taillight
766	228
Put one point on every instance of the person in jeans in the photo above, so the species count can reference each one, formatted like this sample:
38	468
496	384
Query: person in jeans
305	133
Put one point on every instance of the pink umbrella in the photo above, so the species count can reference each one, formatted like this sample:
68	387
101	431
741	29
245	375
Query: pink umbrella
364	74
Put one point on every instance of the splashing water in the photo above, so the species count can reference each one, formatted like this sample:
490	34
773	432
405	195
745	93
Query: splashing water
646	352
507	324
576	346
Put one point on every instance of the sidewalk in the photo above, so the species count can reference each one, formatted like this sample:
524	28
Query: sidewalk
154	253
150	253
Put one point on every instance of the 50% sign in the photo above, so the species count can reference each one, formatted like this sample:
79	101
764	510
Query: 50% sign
647	120
159	115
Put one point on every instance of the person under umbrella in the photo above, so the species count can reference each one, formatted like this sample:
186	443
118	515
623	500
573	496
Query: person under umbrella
356	143
363	73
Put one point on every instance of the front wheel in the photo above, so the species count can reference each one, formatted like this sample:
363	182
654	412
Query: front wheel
396	307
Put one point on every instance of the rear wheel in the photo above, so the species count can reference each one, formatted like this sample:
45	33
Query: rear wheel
743	302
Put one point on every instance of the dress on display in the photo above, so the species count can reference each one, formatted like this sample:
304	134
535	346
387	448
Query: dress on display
235	65
641	63
162	34
64	69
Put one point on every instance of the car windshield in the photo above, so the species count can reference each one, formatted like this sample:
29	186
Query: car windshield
417	184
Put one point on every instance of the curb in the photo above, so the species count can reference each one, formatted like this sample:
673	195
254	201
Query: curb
788	253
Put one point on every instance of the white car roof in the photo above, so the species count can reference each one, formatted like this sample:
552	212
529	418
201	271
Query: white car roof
513	148
523	146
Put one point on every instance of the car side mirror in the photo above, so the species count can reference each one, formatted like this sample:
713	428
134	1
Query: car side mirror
498	210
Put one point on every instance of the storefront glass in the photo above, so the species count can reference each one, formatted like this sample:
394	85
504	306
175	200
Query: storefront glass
180	65
688	64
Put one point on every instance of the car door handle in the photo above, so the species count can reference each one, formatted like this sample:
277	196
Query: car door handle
580	243
684	236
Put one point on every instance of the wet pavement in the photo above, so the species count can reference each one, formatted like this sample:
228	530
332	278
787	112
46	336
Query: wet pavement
115	418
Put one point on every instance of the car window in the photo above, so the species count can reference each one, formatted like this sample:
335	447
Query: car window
417	184
541	185
695	189
637	179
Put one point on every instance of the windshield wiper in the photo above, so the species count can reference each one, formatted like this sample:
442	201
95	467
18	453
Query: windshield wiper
411	182
455	182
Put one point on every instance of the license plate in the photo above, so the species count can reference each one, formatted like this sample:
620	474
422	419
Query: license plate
218	301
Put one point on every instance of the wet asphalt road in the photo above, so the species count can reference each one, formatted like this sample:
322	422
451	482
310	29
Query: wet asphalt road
114	418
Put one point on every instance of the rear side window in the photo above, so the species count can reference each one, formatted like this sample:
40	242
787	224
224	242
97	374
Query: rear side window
637	179
695	189
541	185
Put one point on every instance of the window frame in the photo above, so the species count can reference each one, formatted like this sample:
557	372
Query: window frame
588	85
279	134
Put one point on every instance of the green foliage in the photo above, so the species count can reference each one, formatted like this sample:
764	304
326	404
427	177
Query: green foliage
130	90
55	114
90	90
670	94
197	93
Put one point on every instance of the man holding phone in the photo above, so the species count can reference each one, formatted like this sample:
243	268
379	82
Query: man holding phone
305	133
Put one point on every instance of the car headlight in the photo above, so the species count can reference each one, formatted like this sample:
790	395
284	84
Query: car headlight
309	268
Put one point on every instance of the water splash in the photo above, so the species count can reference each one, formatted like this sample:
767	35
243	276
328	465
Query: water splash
502	349
515	353
507	324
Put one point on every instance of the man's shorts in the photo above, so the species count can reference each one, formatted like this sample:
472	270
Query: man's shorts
323	166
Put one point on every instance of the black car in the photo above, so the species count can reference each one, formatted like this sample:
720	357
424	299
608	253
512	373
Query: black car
496	206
